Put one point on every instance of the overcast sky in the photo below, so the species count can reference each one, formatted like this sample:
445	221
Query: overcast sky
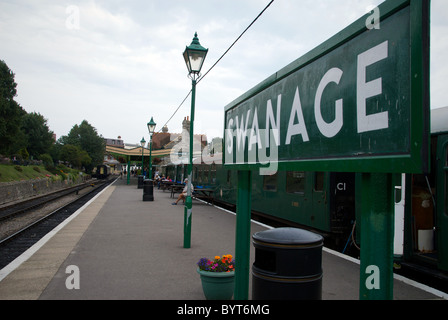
116	63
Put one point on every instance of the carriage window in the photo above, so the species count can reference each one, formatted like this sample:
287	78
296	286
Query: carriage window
446	181
295	182
270	183
199	176
213	174
205	175
446	163
319	181
446	193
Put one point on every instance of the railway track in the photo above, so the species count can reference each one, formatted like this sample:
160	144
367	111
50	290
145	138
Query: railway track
17	208
13	245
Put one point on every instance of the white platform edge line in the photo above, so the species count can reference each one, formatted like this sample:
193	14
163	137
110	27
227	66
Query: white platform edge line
398	277
410	282
33	249
421	286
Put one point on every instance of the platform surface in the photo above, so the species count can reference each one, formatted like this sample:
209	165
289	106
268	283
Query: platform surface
125	248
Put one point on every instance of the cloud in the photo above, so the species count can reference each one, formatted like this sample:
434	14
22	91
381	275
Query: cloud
124	63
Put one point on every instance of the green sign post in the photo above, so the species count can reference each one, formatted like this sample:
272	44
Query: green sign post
242	235
359	102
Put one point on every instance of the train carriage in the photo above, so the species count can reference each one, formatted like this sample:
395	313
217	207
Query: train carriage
326	202
423	239
102	172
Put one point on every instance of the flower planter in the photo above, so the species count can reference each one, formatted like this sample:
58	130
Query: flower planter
217	285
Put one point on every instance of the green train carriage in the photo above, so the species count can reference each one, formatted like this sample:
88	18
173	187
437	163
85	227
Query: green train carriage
320	201
421	236
327	202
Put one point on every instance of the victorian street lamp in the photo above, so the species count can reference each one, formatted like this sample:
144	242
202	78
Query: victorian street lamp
141	177
151	128
194	56
142	143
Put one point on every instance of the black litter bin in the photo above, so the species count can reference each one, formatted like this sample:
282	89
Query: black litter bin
140	182
148	190
288	265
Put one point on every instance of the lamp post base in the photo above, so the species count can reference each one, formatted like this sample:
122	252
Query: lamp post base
148	190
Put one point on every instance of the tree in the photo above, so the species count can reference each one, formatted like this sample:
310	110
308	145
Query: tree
86	137
7	83
39	137
12	139
47	160
75	156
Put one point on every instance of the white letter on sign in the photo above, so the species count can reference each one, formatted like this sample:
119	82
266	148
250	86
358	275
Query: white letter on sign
300	128
254	136
241	132
373	281
270	119
370	89
329	129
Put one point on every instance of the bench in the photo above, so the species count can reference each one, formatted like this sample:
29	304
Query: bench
204	194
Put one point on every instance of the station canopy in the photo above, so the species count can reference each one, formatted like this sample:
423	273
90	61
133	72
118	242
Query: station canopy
135	153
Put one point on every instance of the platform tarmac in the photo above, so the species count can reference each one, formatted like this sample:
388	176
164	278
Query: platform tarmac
125	248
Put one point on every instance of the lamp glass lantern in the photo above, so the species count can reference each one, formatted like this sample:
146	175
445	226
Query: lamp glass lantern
194	56
142	142
151	126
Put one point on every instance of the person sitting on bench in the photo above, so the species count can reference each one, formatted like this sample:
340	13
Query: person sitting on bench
183	195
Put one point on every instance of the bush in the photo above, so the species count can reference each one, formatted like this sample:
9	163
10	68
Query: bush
18	168
24	154
37	169
47	160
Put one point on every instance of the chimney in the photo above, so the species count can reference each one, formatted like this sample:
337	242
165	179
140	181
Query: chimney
186	124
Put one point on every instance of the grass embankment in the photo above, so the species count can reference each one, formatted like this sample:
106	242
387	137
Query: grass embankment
9	173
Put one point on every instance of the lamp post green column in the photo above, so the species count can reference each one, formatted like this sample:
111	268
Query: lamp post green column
151	128
194	56
189	200
242	238
142	143
150	158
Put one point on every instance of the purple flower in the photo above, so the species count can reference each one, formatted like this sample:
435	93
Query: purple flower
217	265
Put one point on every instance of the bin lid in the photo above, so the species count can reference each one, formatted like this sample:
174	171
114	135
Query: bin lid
291	236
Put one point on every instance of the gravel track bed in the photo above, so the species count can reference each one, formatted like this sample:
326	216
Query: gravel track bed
16	223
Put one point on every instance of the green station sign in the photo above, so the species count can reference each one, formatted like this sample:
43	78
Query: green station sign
357	103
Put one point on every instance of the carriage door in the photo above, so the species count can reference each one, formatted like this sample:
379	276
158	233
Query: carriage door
442	201
342	202
319	200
